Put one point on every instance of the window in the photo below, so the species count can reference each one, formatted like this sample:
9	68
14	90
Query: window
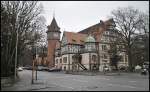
55	35
105	38
106	33
73	40
121	58
120	47
64	67
104	47
56	61
94	58
56	53
65	60
105	56
75	48
64	49
81	41
90	46
105	61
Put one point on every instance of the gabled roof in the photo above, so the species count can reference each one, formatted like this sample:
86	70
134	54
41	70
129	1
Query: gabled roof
75	38
98	29
53	26
97	26
87	30
110	22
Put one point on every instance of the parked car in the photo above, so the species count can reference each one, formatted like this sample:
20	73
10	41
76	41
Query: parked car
29	68
105	68
122	68
39	68
144	72
42	68
45	69
54	70
146	65
20	69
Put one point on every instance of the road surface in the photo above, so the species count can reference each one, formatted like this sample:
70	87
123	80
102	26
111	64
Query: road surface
59	81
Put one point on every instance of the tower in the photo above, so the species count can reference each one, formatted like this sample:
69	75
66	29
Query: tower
53	36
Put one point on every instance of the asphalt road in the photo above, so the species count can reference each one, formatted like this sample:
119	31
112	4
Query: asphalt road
59	81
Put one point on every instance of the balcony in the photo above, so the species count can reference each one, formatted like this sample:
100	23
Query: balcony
64	52
86	50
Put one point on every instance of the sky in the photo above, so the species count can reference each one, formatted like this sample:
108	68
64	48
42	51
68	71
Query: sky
75	16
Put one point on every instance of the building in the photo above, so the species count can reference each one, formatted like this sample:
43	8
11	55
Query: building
53	36
85	50
42	56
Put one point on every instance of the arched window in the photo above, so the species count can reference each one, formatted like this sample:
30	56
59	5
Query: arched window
64	67
65	60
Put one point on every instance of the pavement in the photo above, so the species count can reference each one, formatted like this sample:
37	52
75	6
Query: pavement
59	81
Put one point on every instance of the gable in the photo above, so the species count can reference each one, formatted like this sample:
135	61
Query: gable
64	40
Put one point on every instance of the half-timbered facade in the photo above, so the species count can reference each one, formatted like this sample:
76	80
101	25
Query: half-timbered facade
88	49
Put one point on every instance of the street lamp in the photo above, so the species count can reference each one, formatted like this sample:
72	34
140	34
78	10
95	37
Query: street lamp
33	64
17	22
36	58
16	46
36	62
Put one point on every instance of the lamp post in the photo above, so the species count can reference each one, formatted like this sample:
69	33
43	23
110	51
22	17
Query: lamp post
32	72
33	65
16	47
17	23
36	62
36	58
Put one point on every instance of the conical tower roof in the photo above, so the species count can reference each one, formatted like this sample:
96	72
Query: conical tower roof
53	26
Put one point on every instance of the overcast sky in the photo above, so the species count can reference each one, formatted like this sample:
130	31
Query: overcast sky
78	15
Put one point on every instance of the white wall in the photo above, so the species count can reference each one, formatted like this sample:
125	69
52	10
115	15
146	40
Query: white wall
58	65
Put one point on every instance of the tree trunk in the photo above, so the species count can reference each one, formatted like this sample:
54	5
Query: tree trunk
130	61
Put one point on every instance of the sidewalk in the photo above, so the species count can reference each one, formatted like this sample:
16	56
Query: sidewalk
24	84
38	85
90	73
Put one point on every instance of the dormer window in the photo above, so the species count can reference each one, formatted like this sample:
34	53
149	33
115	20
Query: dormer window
73	40
81	41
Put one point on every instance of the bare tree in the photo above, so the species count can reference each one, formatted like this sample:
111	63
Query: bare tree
116	47
145	32
24	17
127	22
141	46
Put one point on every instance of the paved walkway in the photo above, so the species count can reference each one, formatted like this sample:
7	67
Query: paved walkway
58	81
24	84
